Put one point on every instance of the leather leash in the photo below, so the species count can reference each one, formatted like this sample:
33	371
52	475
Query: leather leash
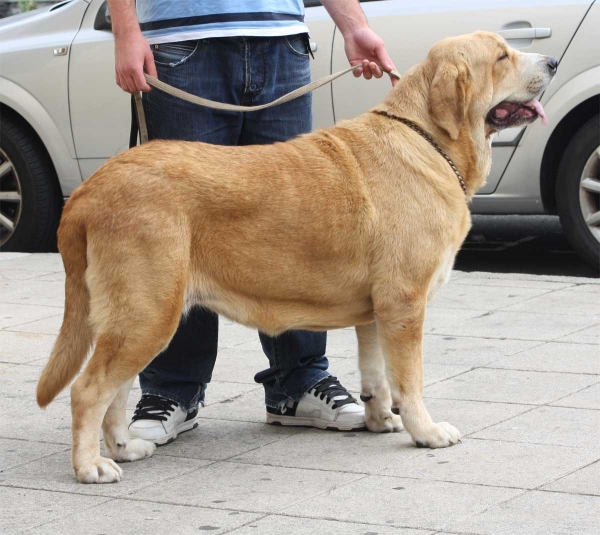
194	99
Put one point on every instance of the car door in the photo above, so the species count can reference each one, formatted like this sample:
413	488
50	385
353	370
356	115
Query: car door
100	110
410	27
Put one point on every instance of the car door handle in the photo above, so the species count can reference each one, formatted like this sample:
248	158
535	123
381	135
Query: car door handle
526	33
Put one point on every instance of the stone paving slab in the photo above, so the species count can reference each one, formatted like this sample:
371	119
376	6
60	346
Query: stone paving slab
583	481
484	298
589	335
404	502
511	360
511	386
54	473
244	487
588	398
555	357
558	426
536	513
128	517
17	452
13	316
23	509
515	325
24	348
278	525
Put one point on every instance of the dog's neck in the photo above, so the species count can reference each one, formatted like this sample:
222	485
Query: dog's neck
471	152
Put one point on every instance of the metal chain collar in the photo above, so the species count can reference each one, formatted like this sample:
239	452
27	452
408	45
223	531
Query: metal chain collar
424	134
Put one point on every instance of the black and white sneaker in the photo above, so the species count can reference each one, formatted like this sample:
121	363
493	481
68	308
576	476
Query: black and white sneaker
328	405
160	420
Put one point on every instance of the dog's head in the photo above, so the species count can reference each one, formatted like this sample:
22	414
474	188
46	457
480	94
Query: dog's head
478	77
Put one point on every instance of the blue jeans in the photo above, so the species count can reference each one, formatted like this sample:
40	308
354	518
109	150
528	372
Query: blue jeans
247	71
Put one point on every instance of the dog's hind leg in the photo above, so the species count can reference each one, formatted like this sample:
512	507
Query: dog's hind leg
400	326
117	442
116	360
375	392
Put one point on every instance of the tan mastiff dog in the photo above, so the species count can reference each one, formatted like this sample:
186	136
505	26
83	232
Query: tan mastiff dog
356	225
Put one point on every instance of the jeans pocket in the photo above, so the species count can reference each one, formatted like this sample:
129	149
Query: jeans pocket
174	54
298	44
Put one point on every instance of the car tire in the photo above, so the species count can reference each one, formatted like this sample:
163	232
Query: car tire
30	196
577	201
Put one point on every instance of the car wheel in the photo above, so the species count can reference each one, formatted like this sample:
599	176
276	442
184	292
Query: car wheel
578	191
30	197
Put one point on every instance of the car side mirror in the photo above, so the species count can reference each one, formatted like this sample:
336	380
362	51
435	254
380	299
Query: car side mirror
103	20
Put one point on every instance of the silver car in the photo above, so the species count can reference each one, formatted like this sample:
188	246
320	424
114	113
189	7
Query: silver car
62	114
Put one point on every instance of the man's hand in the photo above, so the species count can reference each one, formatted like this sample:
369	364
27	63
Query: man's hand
132	51
364	46
132	55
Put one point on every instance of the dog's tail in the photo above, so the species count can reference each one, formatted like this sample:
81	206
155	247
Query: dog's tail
75	337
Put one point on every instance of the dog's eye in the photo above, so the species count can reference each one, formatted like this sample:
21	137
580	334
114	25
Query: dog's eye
503	57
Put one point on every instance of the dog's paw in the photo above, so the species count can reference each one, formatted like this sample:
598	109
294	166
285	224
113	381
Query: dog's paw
134	450
101	470
439	435
383	421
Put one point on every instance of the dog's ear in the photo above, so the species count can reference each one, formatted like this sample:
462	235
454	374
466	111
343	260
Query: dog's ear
449	97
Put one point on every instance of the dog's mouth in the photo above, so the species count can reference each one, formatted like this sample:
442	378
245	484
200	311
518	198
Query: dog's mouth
508	114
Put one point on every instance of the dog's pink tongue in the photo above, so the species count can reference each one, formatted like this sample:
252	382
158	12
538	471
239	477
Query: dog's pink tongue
539	109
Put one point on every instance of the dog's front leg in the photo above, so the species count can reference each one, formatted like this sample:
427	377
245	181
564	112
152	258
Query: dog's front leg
401	333
375	392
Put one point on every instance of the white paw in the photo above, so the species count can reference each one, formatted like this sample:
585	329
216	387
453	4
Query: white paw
383	421
101	470
439	435
135	449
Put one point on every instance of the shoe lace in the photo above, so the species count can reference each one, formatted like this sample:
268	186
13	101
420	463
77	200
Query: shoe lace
331	388
153	408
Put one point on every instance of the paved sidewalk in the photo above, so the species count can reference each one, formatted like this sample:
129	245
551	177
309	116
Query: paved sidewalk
513	361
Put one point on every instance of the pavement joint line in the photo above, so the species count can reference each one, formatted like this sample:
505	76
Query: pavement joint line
62	518
552	444
503	338
533	405
502	308
20	303
232	530
570	407
279	439
550	291
35	441
573	393
578	331
326	492
412	478
488	367
356	522
168	478
532	408
539	487
569	493
547	404
8	329
33	460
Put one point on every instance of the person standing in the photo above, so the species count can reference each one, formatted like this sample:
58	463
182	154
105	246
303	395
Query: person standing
245	52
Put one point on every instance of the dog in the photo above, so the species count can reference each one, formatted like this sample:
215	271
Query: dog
355	225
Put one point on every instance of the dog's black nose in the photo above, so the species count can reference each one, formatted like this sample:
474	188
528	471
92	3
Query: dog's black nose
552	64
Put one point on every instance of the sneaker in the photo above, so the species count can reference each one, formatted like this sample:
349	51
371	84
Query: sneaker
327	405
160	420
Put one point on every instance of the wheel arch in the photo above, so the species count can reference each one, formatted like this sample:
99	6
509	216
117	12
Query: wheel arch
16	102
580	98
